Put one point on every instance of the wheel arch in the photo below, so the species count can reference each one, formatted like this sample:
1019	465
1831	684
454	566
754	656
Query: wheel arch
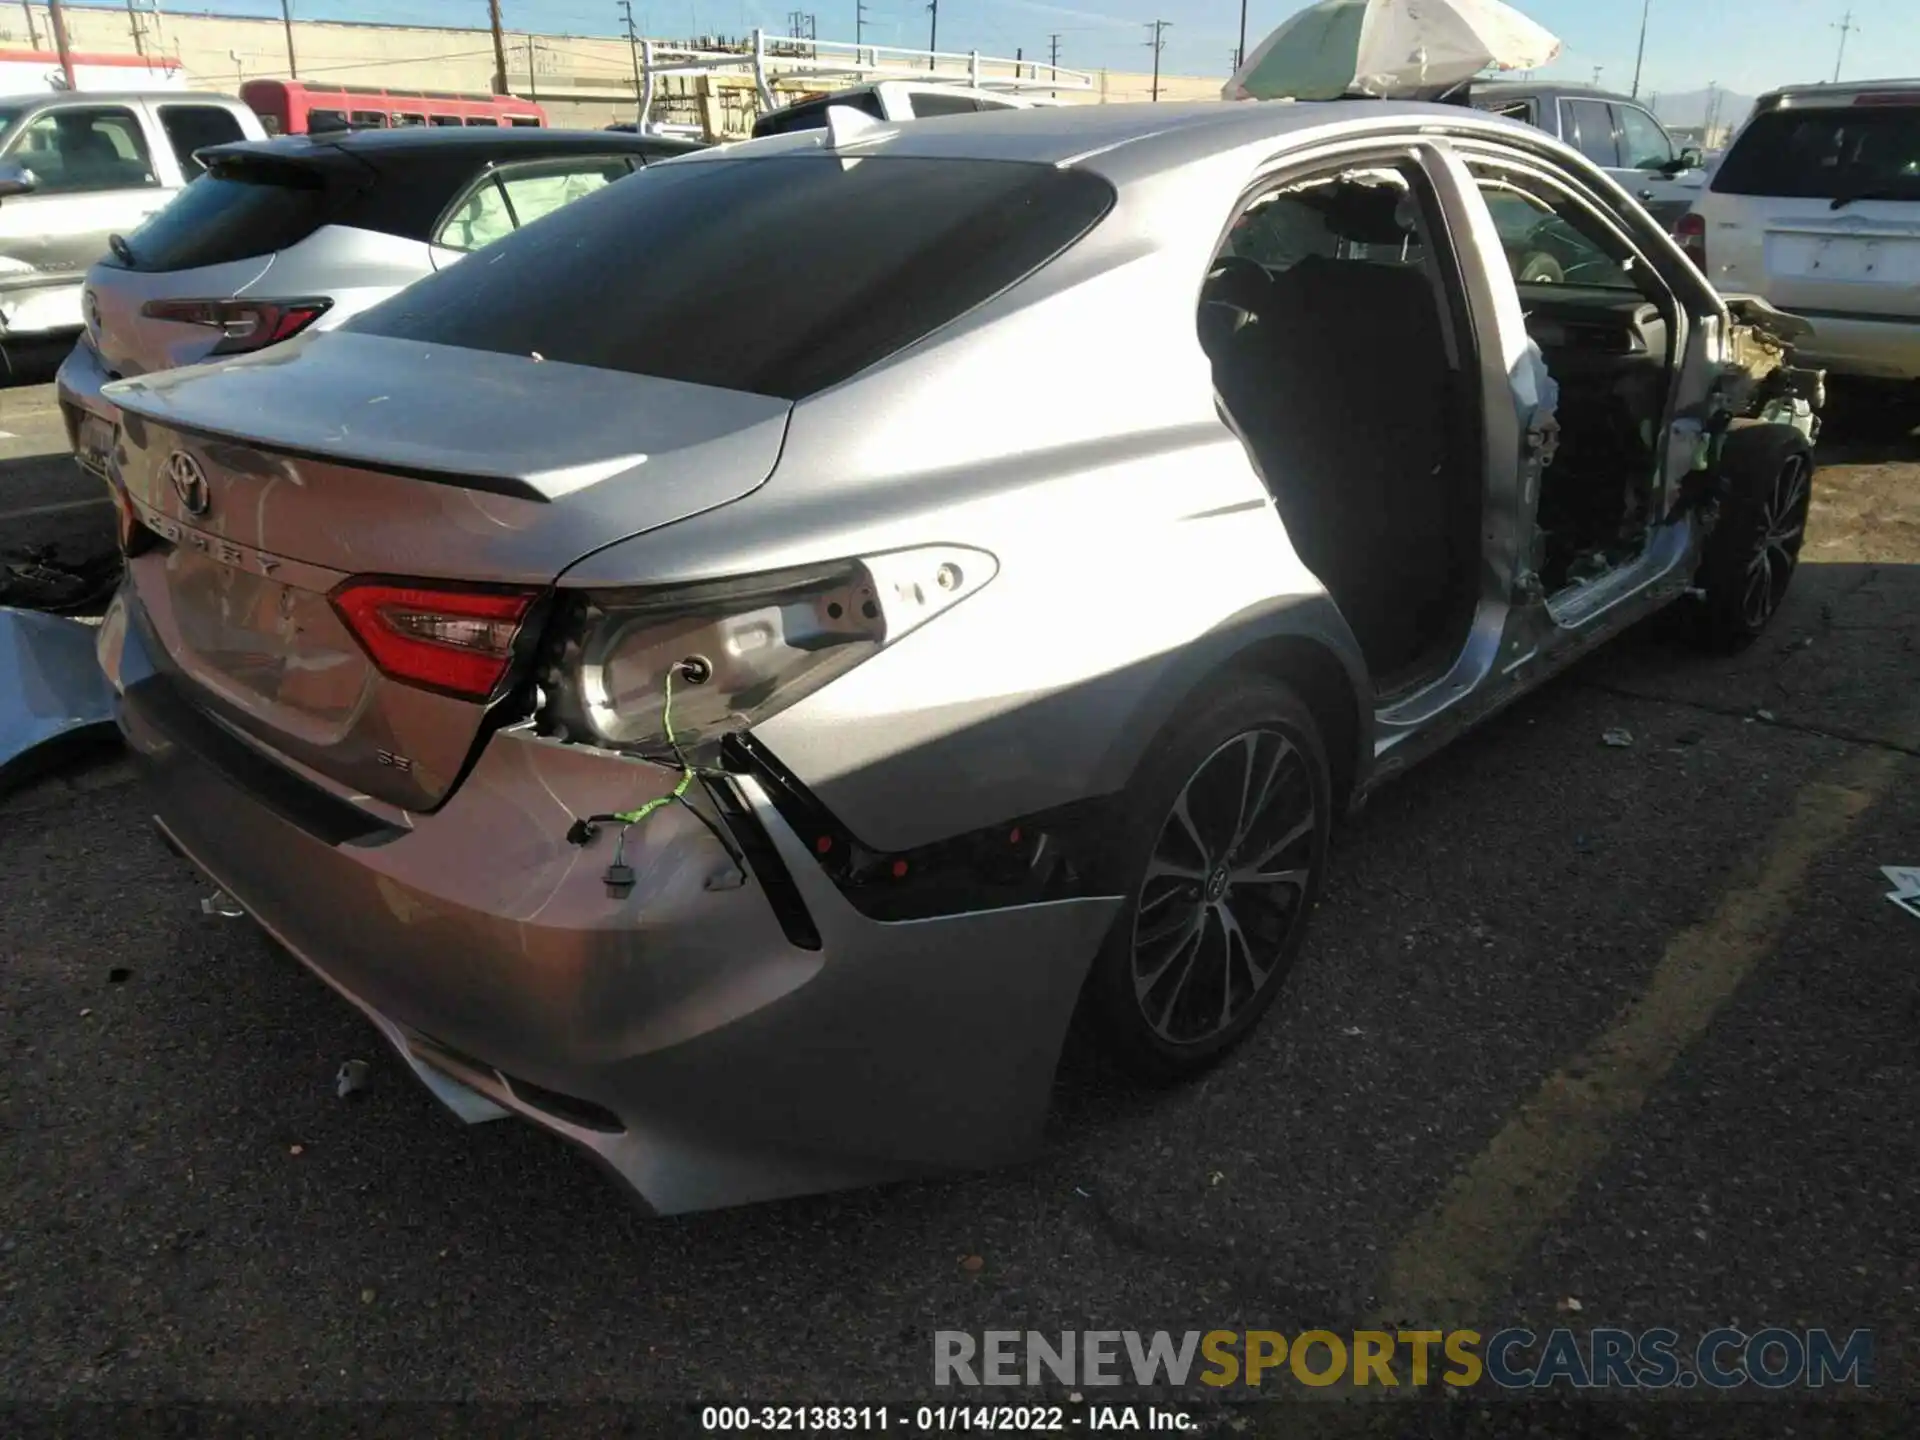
1301	640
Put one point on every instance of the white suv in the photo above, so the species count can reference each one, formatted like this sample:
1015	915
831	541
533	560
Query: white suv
1816	208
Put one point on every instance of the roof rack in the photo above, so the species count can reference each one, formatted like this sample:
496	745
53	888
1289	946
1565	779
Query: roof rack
770	59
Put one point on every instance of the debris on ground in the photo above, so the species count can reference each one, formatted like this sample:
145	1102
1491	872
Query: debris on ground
1906	887
1618	739
972	1264
1765	715
1570	1306
119	975
1689	737
41	580
352	1077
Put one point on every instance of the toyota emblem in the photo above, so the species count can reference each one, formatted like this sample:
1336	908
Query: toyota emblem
189	482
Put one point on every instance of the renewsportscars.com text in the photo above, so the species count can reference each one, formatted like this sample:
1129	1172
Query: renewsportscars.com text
1512	1359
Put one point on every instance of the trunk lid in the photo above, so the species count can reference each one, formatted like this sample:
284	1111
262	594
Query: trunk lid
348	454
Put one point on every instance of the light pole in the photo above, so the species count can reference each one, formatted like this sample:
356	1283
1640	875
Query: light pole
1640	54
1240	50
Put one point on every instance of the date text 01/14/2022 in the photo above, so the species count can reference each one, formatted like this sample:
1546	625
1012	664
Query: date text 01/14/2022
939	1419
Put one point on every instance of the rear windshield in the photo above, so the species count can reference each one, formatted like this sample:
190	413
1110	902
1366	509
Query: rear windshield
230	215
779	275
1861	152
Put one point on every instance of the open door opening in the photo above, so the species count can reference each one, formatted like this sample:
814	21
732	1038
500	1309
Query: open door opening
1605	325
1335	320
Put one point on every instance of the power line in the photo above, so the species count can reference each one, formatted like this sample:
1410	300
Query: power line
1157	44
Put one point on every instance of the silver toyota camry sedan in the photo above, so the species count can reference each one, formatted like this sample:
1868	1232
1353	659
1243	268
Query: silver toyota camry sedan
731	673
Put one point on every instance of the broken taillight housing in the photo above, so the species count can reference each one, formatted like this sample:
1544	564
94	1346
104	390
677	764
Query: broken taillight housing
455	641
736	651
1691	232
245	325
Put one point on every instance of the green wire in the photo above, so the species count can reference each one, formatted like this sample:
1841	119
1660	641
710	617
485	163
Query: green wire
634	817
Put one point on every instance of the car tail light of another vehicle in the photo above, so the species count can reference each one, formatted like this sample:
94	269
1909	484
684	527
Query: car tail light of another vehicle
1691	232
246	324
454	641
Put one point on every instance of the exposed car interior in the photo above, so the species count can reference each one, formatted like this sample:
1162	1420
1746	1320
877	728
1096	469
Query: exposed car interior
1603	325
1339	355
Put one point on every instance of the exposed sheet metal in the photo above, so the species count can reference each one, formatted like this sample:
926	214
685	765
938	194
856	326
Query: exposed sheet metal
51	691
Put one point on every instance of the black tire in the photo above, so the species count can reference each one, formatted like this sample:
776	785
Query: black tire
1261	725
1749	560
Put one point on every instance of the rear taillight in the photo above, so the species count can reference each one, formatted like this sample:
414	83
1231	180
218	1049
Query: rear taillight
244	324
455	641
1691	232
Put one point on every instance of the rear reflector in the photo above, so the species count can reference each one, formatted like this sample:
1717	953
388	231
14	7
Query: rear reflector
456	642
246	324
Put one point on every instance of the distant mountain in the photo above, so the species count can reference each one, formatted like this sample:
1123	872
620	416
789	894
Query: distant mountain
1687	109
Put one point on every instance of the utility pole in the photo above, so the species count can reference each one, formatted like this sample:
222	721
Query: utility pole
286	19
933	32
33	35
499	49
1640	54
1240	50
859	22
633	49
133	25
1846	24
58	21
1053	62
1596	73
1157	44
533	80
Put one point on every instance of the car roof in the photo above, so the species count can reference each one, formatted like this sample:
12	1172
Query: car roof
1838	93
1131	138
117	97
1515	89
383	141
424	140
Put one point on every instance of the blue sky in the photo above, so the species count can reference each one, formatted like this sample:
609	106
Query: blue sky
1744	45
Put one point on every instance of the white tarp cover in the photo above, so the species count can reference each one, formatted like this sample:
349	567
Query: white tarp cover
1408	49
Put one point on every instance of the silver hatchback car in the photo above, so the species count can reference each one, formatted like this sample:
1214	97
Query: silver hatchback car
281	236
727	676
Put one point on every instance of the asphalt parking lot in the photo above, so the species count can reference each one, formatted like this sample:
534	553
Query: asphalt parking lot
1621	1033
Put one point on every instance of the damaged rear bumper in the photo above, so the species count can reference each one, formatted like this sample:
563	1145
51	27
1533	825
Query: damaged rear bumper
52	694
677	1033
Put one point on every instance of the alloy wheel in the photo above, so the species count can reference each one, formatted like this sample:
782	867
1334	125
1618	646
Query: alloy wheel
1225	888
1776	547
